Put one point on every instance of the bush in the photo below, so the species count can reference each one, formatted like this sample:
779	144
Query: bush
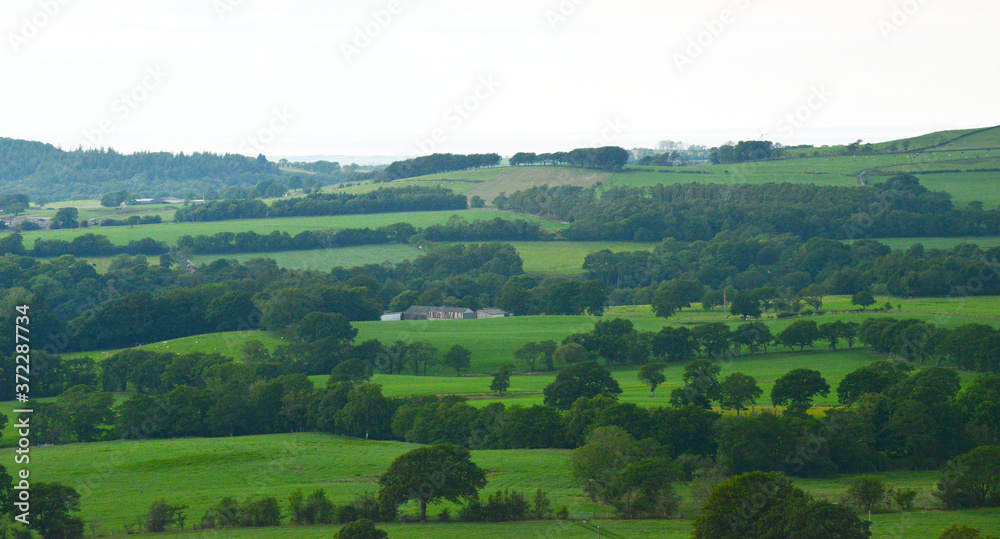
369	506
162	516
361	529
904	498
344	514
971	480
501	506
316	509
444	515
962	532
262	513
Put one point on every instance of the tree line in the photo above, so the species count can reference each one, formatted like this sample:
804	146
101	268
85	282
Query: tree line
899	207
437	163
790	268
410	198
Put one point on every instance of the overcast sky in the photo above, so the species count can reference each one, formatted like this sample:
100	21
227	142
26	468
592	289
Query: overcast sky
322	77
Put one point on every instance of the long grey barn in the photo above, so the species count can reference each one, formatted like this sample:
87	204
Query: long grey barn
438	313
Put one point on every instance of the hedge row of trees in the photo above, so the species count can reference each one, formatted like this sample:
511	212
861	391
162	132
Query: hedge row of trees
456	229
899	207
437	163
385	200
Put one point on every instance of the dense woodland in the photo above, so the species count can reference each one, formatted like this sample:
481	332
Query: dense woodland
900	207
44	171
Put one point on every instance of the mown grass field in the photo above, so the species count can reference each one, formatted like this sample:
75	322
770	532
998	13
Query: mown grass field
119	481
327	259
169	232
540	257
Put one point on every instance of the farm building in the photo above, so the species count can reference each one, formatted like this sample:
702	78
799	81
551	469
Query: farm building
418	312
492	313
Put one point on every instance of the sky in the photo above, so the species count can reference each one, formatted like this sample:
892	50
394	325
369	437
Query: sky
413	77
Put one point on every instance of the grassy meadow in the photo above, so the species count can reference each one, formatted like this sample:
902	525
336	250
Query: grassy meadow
169	232
540	257
494	341
119	481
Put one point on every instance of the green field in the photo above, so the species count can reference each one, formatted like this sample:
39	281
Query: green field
540	257
527	390
831	170
494	341
169	232
327	259
92	209
119	481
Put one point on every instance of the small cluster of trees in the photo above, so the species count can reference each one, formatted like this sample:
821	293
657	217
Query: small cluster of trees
609	158
745	151
971	347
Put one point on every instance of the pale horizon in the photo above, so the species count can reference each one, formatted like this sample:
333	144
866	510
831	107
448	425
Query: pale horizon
384	78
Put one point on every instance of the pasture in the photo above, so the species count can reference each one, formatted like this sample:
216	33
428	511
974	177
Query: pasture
540	257
494	341
120	480
169	232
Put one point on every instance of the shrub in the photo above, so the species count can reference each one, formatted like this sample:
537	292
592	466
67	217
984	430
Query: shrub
162	516
501	506
971	480
962	532
904	498
361	529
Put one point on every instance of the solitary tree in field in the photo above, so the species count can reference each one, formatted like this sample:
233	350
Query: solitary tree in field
458	358
501	380
868	492
738	392
864	299
427	474
651	374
